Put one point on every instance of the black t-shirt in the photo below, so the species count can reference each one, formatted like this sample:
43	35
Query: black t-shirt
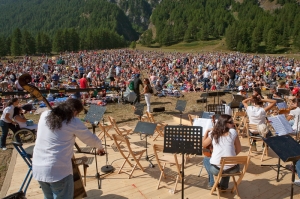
137	82
232	74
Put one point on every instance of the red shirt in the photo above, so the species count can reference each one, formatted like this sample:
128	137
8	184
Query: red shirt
83	83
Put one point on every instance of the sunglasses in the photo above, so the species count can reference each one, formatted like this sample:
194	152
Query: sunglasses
230	122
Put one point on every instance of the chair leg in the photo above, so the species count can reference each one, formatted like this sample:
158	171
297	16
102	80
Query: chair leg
200	169
235	188
176	182
84	173
161	175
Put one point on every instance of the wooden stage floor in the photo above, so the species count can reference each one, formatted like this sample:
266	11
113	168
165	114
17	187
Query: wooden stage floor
258	183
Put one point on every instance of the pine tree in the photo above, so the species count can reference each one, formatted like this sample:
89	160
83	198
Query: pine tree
38	42
256	39
271	41
297	41
46	43
58	41
28	43
16	42
3	51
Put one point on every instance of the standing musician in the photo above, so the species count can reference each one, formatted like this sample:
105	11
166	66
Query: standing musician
53	151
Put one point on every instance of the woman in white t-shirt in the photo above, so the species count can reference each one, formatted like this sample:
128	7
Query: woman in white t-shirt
257	113
226	143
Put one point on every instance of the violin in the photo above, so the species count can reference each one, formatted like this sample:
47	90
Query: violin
207	151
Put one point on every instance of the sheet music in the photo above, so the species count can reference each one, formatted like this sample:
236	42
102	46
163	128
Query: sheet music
204	123
280	124
282	105
207	115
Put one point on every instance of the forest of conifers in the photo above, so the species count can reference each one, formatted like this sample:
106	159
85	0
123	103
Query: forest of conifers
37	26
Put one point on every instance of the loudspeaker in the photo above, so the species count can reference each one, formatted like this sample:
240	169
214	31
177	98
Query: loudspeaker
159	109
203	100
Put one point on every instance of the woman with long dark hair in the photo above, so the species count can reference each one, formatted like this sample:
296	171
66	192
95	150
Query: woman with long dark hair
226	143
22	120
147	92
6	121
57	130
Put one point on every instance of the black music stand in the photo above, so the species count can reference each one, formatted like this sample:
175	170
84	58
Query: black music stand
94	116
287	150
180	106
147	129
139	110
184	140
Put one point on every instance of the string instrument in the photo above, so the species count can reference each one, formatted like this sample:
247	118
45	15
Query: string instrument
24	80
207	151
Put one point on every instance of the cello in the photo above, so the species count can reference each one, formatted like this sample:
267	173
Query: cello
24	80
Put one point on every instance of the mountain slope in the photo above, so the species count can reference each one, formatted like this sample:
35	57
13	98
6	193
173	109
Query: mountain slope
48	16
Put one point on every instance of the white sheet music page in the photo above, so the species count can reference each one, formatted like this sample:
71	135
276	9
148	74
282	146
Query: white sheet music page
280	124
281	105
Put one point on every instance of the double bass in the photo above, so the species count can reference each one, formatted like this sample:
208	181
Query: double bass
24	80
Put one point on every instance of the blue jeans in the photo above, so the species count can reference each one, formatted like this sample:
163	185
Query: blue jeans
224	180
5	128
207	166
62	189
298	168
231	83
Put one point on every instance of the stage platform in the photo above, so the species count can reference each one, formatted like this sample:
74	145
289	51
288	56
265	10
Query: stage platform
258	183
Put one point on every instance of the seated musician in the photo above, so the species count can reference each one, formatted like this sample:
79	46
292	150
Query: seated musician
53	151
294	114
226	143
21	119
257	113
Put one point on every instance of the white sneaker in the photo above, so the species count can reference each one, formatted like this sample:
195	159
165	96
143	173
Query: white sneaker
4	148
297	182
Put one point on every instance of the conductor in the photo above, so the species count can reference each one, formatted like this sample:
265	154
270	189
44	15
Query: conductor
52	166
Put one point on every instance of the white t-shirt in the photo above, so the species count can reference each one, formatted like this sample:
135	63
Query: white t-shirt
225	148
206	74
296	114
257	115
10	110
53	150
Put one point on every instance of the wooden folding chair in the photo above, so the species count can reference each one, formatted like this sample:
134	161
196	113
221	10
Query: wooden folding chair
253	128
130	150
104	128
239	119
241	160
159	128
164	159
191	118
122	130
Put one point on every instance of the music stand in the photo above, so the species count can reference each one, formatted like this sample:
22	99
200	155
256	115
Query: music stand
139	110
183	139
94	116
180	106
284	92
287	149
147	129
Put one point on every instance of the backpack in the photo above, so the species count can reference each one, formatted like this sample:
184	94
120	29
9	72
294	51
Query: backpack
131	85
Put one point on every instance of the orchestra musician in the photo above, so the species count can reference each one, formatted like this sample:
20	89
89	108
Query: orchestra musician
294	114
53	151
226	143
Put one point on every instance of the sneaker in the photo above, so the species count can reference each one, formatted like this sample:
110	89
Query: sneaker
4	148
297	182
253	147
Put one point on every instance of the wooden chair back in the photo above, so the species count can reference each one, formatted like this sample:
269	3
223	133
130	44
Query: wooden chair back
240	160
